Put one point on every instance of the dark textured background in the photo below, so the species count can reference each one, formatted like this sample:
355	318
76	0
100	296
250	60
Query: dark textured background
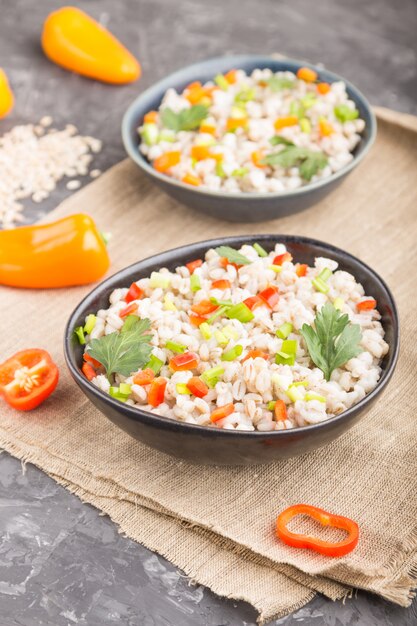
61	563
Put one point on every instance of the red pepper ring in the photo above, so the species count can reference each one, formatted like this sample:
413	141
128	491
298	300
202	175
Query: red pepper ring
297	540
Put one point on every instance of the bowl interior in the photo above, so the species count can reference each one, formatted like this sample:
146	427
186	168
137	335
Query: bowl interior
205	71
302	248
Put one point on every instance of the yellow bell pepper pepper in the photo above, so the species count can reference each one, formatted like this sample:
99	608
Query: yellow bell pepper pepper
76	42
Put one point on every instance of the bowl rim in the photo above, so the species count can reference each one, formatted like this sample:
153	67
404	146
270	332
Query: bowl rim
167	423
235	60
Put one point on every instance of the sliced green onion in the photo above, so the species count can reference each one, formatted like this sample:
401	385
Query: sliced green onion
154	364
261	251
232	354
344	113
283	358
221	82
220	170
301	383
175	347
167	135
314	396
325	274
159	280
195	283
182	388
240	171
220	338
230	332
284	330
271	405
212	375
320	285
125	389
168	304
240	312
297	109
309	100
90	322
221	302
289	346
245	95
149	134
293	393
275	268
338	304
217	314
205	330
305	125
79	331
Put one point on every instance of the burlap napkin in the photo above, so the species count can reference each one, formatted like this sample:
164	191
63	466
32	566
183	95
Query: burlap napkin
217	523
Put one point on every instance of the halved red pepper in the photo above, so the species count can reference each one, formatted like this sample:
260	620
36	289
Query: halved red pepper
328	548
156	393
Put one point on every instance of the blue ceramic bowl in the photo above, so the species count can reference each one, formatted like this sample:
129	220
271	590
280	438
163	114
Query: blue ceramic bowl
240	207
205	445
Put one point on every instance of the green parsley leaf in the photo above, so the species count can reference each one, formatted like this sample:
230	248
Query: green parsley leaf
232	255
308	161
344	113
187	119
278	83
126	351
276	140
333	339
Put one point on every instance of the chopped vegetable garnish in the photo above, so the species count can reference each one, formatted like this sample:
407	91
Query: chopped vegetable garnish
280	411
151	117
293	393
175	347
338	304
305	125
240	312
240	171
182	388
254	301
186	119
144	377
205	307
205	330
314	396
79	332
90	360
222	82
271	405
325	274
333	339
320	285
345	113
190	179
156	393
232	354
233	123
296	540
184	362
222	412
277	83
134	293
323	88
167	160
326	129
275	268
115	393
366	305
130	309
261	251
277	140
195	283
168	304
125	351
284	330
217	314
255	354
211	376
283	122
196	320
221	339
270	296
28	378
301	269
90	322
221	284
286	356
159	280
307	74
197	387
257	158
192	265
282	258
88	371
154	364
230	332
149	134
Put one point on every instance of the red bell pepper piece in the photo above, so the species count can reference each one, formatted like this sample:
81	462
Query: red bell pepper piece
205	307
130	309
328	548
197	387
182	362
282	258
222	411
270	295
134	293
301	269
253	301
253	354
280	410
156	392
144	377
221	284
366	305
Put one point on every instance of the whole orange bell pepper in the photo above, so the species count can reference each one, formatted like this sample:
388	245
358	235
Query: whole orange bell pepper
75	41
70	251
6	95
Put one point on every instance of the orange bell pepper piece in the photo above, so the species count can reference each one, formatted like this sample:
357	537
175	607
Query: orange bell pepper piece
282	122
190	179
6	95
257	158
323	88
233	123
64	253
208	128
151	117
307	74
167	160
76	42
325	128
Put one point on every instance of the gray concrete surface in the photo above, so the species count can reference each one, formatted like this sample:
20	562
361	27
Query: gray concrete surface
61	563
